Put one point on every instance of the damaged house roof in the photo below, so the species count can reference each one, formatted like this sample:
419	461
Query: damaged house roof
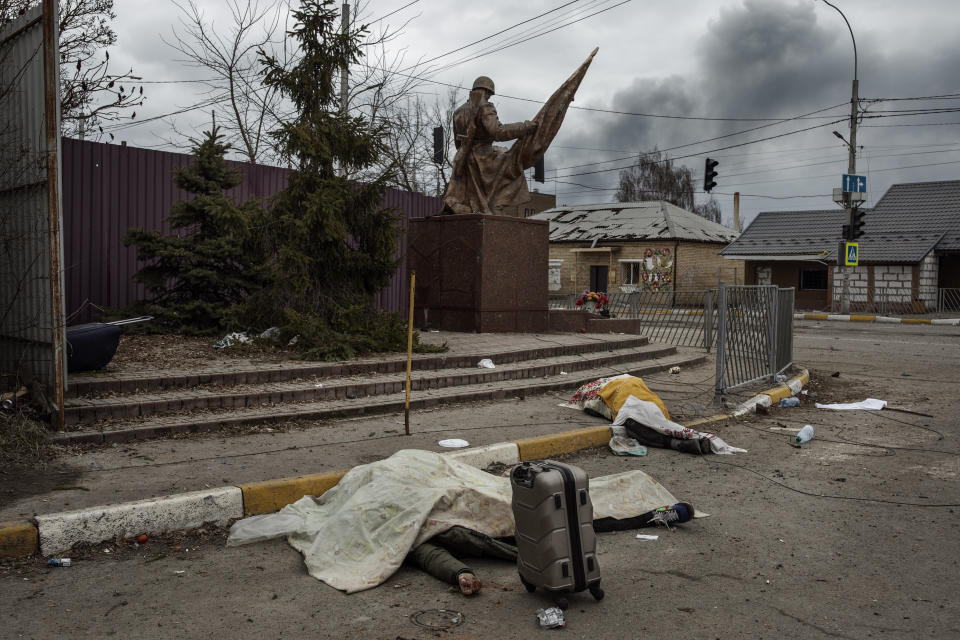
626	221
908	222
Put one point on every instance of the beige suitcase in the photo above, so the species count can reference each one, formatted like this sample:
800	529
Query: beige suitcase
556	543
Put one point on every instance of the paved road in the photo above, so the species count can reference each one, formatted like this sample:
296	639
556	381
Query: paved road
842	538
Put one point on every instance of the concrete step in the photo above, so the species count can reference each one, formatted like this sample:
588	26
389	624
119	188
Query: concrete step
216	419
93	410
94	384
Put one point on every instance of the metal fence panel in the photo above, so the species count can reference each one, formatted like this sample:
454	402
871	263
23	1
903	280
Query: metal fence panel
31	305
784	351
755	334
948	299
681	318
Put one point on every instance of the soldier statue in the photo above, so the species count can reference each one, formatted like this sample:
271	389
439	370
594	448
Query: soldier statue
487	178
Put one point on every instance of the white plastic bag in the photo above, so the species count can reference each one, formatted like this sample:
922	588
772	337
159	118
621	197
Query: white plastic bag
486	363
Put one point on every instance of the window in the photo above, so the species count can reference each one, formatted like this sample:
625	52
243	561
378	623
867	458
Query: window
631	272
813	279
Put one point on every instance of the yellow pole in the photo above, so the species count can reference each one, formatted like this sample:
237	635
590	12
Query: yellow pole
406	406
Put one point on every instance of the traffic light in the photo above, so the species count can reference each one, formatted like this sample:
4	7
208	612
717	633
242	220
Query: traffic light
857	222
538	170
438	145
709	175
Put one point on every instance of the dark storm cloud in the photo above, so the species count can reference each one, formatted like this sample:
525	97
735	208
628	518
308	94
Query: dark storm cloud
771	59
644	95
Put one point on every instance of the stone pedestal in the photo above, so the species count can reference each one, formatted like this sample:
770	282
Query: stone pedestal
479	273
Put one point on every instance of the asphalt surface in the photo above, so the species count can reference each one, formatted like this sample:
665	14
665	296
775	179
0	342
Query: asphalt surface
853	535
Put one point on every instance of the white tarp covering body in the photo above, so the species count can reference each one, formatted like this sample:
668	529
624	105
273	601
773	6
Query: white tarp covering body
357	534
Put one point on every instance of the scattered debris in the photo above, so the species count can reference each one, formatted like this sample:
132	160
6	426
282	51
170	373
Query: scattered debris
625	446
59	562
870	404
142	538
486	363
835	374
437	619
230	339
454	443
675	370
647	536
551	618
789	402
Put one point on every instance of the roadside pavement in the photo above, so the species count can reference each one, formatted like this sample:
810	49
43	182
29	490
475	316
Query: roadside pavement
776	558
821	541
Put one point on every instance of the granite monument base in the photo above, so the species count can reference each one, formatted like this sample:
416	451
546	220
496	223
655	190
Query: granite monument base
479	273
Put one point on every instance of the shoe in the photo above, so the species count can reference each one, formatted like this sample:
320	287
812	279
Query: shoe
674	514
686	446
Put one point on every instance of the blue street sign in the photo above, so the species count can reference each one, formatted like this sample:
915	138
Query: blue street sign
852	259
854	183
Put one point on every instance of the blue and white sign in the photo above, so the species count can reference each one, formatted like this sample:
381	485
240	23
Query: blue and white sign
852	257
856	184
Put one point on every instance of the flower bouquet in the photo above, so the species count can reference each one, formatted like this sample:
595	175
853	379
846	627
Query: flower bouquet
598	298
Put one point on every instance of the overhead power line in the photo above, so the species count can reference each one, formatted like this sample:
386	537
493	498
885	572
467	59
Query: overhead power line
492	35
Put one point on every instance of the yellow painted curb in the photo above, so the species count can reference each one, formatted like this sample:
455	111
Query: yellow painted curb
540	447
815	316
915	320
862	318
18	539
778	394
271	495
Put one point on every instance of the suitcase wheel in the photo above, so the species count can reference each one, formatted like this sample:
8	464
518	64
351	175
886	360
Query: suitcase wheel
529	587
596	592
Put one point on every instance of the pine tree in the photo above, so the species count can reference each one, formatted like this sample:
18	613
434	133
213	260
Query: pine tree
331	242
196	276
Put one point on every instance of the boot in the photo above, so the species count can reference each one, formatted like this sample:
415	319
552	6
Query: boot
686	446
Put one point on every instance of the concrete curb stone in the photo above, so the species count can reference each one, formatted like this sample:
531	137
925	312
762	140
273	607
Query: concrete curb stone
868	318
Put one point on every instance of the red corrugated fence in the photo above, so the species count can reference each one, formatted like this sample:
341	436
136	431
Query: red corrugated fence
108	189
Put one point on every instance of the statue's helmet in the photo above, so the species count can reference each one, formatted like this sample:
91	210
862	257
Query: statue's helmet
483	82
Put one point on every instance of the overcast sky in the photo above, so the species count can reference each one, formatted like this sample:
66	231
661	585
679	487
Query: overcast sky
723	65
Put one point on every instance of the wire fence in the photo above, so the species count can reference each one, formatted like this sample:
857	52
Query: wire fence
948	299
754	334
681	318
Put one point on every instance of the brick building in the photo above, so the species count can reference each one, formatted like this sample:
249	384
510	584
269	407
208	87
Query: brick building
909	255
636	246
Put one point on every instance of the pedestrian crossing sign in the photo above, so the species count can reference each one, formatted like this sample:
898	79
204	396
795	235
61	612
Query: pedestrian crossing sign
852	254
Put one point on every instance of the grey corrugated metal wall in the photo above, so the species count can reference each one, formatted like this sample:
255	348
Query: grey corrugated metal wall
108	189
31	326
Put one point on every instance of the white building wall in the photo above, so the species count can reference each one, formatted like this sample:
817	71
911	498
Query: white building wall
893	283
858	283
928	281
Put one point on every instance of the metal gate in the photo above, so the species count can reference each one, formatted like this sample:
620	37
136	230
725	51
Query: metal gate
754	334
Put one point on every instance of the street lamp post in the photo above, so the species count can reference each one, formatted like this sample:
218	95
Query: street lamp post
851	165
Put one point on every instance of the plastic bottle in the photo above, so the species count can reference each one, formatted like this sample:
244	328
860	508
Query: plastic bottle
806	434
792	401
58	562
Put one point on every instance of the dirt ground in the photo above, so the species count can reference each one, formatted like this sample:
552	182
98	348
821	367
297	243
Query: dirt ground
852	535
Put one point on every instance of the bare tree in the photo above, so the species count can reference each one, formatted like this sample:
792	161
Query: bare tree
656	177
90	93
249	110
410	143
